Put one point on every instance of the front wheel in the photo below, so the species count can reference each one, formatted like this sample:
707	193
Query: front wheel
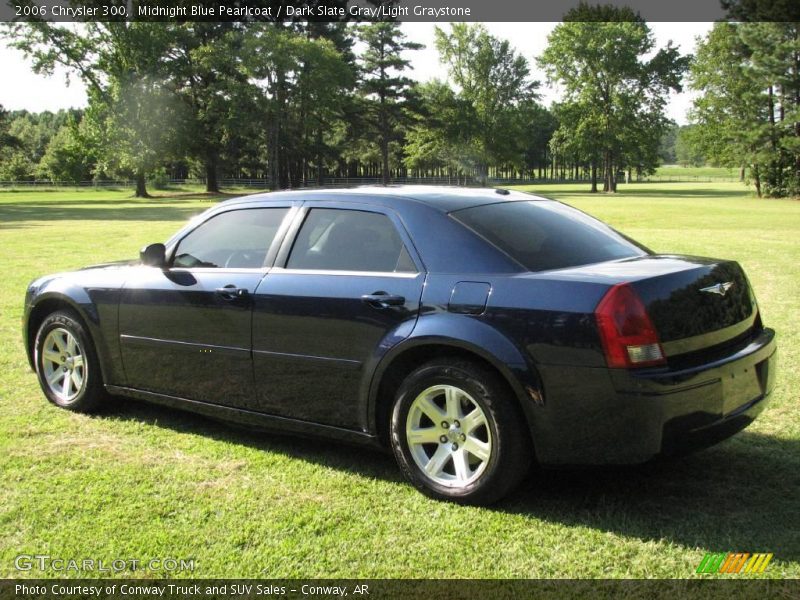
457	435
66	363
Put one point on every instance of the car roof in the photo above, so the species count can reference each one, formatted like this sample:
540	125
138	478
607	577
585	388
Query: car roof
443	198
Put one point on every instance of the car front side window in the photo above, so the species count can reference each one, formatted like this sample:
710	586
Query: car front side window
349	240
237	239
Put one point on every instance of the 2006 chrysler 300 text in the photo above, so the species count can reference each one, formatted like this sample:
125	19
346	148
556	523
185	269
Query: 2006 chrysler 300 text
473	331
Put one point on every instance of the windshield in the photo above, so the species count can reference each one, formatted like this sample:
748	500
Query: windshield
544	234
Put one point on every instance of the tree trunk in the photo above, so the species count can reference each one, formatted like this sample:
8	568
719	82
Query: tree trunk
385	160
141	185
212	184
757	180
773	173
608	167
594	177
320	168
741	174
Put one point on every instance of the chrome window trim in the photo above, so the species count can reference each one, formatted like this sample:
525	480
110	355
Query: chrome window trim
401	275
261	270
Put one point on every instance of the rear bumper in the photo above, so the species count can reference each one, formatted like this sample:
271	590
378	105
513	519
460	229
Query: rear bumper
614	416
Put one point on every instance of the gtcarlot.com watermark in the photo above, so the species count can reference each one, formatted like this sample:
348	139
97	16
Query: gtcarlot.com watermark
45	562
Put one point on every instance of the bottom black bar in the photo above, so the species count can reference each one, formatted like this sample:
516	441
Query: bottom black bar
428	589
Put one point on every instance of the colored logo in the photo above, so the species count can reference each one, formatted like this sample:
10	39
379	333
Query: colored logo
734	562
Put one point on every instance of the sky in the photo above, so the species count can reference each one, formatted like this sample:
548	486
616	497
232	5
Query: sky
22	88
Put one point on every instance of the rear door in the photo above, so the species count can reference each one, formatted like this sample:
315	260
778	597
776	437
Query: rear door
349	283
185	330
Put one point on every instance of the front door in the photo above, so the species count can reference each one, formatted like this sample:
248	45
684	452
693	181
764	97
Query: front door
348	286
185	330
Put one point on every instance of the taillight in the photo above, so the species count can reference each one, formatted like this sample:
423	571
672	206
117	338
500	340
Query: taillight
628	335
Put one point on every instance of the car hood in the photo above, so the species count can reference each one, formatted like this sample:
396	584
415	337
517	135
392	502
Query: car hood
110	274
113	265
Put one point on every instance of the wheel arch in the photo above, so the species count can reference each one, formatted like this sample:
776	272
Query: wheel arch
521	379
48	303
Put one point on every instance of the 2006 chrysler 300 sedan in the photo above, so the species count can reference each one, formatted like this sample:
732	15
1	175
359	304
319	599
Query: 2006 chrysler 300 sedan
472	331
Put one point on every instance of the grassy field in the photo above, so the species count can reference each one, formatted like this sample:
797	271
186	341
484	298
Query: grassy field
678	171
142	482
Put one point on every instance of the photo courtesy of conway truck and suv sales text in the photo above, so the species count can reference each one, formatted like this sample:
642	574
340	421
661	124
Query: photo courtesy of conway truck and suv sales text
475	332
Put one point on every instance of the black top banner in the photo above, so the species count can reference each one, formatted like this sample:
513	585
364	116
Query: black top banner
387	10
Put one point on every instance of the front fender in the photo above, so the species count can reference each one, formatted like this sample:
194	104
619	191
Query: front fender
466	333
96	305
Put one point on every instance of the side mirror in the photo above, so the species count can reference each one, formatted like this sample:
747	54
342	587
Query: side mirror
154	255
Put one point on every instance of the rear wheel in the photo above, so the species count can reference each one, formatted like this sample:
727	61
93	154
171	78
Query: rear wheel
66	363
457	435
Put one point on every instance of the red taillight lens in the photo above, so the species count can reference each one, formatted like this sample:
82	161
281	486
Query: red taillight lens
628	336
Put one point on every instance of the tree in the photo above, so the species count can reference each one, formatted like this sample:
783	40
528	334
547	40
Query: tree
67	156
441	134
301	84
749	112
666	147
688	152
203	68
6	139
113	59
615	93
384	88
8	142
579	135
135	130
494	85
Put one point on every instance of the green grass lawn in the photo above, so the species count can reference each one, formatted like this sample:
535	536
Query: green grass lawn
678	171
139	481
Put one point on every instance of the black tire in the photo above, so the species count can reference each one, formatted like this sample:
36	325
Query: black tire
511	451
89	395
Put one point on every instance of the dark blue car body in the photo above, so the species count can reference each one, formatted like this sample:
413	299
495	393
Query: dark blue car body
305	352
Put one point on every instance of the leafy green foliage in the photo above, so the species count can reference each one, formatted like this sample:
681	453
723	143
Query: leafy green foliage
118	62
26	140
494	94
384	90
749	112
302	82
614	95
68	157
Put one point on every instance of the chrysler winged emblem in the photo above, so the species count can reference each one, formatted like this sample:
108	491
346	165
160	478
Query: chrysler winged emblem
718	288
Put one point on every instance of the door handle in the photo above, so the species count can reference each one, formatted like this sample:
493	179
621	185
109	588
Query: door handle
383	300
232	293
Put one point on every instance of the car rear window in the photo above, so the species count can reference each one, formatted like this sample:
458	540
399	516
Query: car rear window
542	235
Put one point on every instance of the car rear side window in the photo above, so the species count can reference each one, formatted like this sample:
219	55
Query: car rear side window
238	239
349	240
542	235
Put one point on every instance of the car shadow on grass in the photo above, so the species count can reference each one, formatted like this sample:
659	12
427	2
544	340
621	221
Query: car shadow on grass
741	495
369	461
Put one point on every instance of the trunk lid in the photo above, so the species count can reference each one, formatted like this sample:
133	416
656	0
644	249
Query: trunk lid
694	303
682	297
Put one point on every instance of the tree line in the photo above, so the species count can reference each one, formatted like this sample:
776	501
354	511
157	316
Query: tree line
296	103
748	113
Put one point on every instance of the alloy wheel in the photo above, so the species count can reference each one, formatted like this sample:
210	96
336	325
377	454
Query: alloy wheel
64	365
448	435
